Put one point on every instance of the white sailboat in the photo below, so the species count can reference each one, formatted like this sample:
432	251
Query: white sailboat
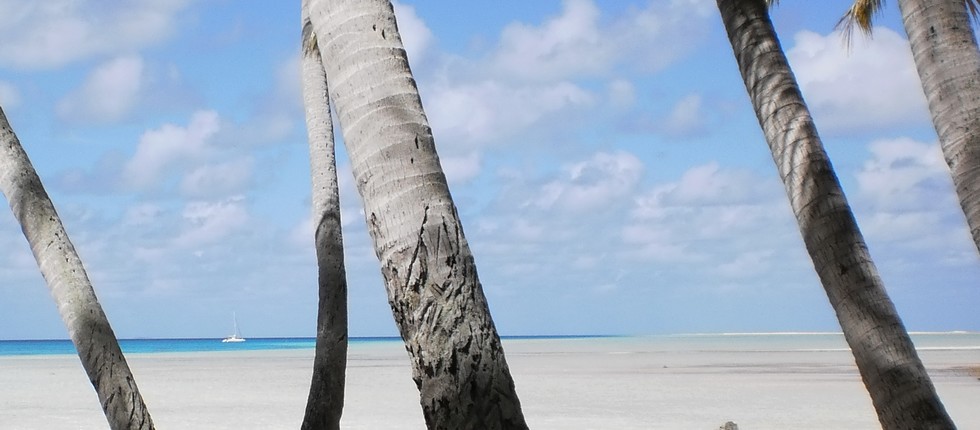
235	337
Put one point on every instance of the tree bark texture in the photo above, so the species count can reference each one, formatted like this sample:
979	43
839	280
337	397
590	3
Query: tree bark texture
436	298
945	52
62	269
902	393
326	400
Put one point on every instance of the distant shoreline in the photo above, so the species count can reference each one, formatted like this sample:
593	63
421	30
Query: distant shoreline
760	342
541	336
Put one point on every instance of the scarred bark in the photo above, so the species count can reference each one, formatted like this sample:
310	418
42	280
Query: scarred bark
326	400
945	52
436	298
61	267
900	388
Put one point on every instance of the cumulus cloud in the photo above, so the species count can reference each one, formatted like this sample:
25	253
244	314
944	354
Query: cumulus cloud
904	174
217	178
170	144
462	168
578	42
593	183
9	96
907	201
686	118
531	76
415	35
484	112
621	93
51	33
108	94
875	84
737	209
206	222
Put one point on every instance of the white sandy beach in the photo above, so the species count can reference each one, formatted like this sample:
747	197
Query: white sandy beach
563	384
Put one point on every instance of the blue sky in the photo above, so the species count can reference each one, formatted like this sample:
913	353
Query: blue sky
609	172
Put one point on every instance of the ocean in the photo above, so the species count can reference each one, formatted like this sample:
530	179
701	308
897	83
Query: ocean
711	342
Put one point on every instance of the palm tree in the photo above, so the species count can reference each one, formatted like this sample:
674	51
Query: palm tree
948	61
61	267
326	400
900	388
436	298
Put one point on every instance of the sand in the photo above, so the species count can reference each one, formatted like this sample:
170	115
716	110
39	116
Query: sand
563	384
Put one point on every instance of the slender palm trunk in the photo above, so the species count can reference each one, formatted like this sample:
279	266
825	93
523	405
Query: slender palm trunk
436	298
326	401
61	267
945	52
900	389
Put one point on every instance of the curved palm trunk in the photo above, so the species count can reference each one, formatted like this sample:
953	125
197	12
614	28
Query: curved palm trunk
436	298
900	389
87	325
945	52
326	401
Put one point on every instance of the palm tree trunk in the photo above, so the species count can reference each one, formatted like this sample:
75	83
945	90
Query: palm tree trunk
326	401
900	388
61	267
946	55
436	298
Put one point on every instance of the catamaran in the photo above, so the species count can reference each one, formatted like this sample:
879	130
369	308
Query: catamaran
235	337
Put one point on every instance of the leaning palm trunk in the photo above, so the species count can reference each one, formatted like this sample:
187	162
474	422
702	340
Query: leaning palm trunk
900	389
326	401
62	269
945	52
436	298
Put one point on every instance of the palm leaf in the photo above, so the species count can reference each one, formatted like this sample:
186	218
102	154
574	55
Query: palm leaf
862	14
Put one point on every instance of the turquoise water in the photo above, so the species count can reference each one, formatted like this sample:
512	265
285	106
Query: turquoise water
142	346
682	342
138	346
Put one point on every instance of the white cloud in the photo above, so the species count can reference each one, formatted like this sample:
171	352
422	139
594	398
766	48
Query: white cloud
736	210
907	201
707	184
567	45
751	263
416	36
528	79
159	149
484	112
108	94
460	169
904	174
621	93
686	118
578	42
9	96
218	178
593	183
209	222
51	33
142	214
873	85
